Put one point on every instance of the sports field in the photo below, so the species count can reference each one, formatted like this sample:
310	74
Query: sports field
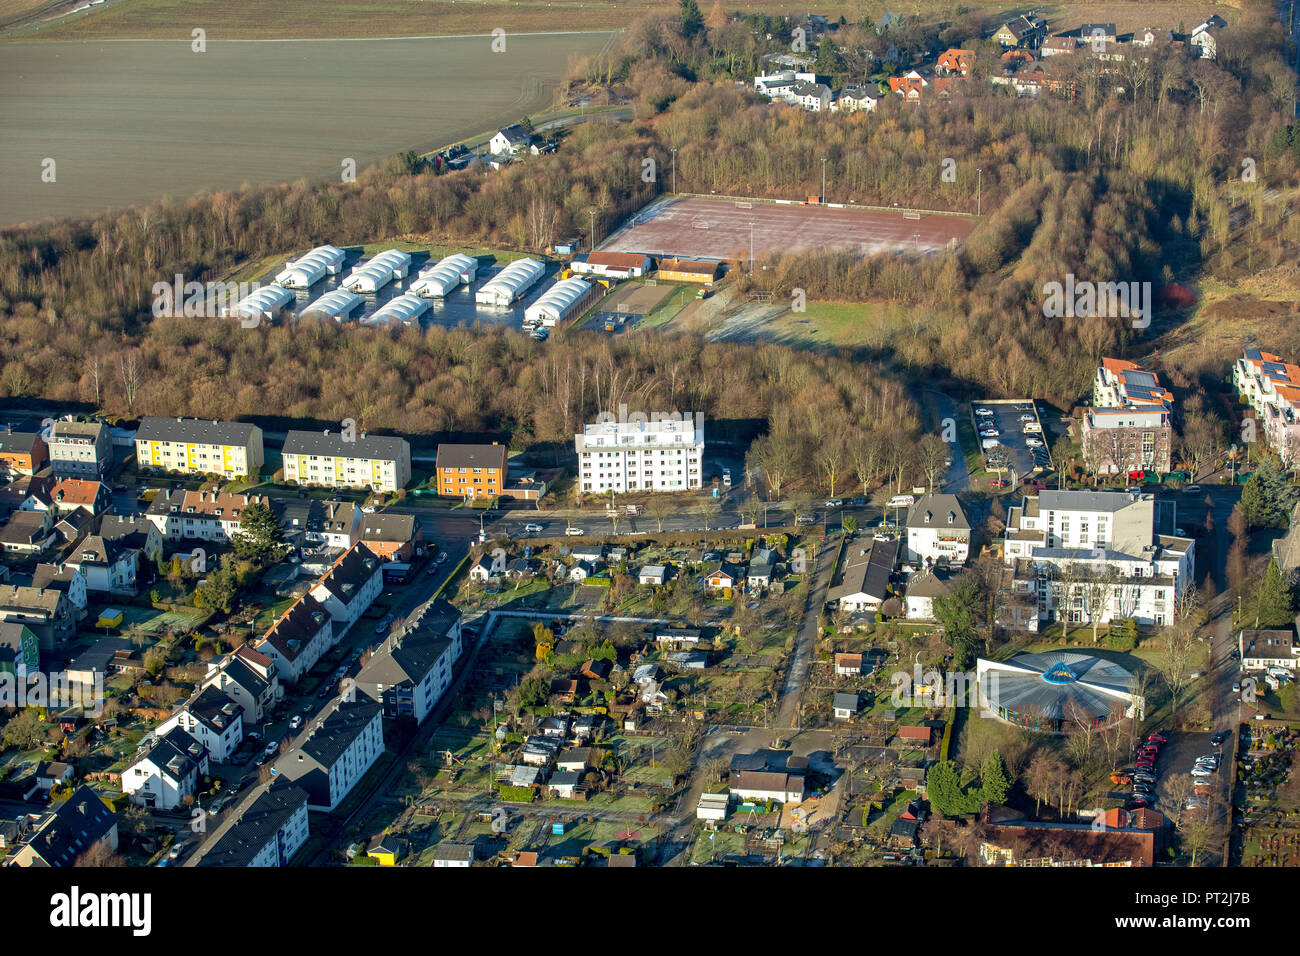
135	120
695	227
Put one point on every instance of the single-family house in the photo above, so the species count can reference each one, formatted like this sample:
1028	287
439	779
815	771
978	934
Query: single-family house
168	772
845	705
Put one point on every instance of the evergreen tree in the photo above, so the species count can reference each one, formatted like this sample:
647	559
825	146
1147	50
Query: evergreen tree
1275	607
996	782
955	613
259	532
692	19
1267	497
828	58
943	788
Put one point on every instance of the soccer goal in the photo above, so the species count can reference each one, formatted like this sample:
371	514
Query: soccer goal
744	205
908	214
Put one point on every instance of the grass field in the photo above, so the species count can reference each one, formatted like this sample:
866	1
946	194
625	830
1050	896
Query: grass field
297	18
130	122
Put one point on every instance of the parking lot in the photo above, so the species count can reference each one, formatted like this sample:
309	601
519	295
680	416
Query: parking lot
1006	419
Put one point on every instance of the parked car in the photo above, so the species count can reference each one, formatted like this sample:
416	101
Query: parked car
442	556
901	501
271	748
1220	738
1192	488
983	413
533	527
1033	442
998	482
834	502
296	722
1157	737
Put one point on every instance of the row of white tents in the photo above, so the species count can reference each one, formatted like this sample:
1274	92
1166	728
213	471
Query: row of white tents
436	280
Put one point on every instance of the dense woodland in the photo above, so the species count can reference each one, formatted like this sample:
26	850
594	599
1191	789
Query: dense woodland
1107	186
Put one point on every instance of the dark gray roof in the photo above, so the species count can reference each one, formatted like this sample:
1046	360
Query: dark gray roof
256	826
460	852
566	778
471	456
76	825
18	442
942	511
867	573
405	659
331	444
215	708
331	737
177	753
67	430
296	627
350	572
387	526
846	702
197	430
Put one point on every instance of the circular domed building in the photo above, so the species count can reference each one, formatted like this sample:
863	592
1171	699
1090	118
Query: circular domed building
1052	691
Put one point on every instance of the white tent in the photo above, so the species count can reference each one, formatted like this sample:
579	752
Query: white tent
565	298
405	309
304	272
510	283
339	304
263	303
378	272
445	276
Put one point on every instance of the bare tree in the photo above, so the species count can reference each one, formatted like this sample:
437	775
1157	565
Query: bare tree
660	507
932	451
128	374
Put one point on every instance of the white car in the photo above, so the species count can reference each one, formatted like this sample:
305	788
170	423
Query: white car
901	501
990	443
296	722
1034	442
983	413
1034	427
532	528
1026	417
572	532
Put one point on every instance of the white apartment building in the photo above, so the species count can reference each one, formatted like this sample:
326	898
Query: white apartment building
338	750
349	587
268	833
299	638
200	515
937	531
80	449
1096	555
337	460
1272	387
664	455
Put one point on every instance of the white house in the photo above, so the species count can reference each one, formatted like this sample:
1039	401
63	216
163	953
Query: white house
410	672
250	679
865	574
853	99
299	638
65	577
456	855
1205	37
509	141
922	588
1266	649
214	719
845	705
350	586
776	785
268	833
167	773
712	806
937	531
336	753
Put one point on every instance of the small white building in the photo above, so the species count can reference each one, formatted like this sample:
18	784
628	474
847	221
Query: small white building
509	141
336	753
713	806
339	305
510	283
565	299
167	773
262	304
445	276
305	272
371	276
406	309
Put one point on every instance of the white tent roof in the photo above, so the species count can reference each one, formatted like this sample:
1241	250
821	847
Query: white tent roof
559	298
269	298
404	308
339	304
512	280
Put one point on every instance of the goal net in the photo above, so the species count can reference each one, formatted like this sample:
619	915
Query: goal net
911	215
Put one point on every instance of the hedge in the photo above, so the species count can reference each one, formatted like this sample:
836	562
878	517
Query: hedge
517	794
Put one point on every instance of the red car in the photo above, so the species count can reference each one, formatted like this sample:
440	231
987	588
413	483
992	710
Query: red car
1156	738
997	482
1151	749
1146	762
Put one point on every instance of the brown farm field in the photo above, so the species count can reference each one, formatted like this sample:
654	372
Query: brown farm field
132	121
280	19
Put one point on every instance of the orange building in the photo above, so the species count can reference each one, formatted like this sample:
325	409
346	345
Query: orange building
471	471
21	453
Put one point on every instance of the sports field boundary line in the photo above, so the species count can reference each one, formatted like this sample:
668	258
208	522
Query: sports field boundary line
816	205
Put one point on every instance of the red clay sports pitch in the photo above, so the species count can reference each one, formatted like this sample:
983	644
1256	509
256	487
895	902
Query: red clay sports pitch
707	228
